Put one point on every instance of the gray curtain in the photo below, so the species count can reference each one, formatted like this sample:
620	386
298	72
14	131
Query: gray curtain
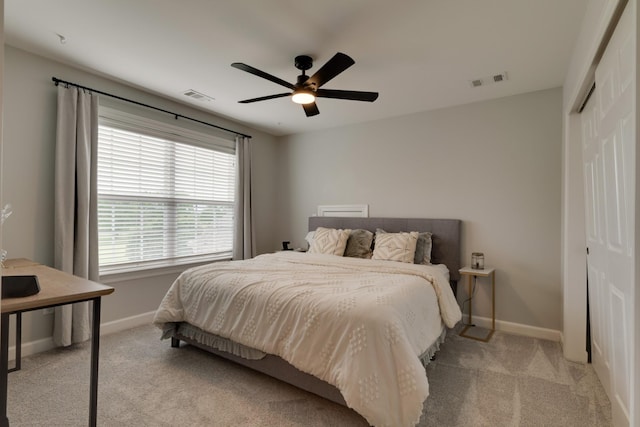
243	237
75	212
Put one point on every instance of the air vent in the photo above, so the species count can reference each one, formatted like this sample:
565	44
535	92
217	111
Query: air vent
197	95
484	81
500	77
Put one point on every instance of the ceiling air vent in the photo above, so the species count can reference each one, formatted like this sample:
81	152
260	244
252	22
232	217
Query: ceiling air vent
197	95
484	81
500	77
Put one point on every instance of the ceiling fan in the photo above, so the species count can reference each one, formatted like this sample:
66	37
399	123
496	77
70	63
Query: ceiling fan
307	89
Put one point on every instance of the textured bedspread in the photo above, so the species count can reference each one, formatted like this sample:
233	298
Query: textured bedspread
356	324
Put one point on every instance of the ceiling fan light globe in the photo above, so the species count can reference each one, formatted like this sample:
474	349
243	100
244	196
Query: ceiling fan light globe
303	97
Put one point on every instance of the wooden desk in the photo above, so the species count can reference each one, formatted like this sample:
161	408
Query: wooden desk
56	288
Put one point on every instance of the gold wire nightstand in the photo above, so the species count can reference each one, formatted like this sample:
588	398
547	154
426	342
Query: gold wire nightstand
472	275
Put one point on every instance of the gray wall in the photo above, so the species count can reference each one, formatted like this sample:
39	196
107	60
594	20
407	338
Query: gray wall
496	165
28	171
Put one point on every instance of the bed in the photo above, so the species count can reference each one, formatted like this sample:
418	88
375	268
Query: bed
357	331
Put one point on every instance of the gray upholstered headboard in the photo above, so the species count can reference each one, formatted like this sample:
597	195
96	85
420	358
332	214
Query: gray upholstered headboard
446	234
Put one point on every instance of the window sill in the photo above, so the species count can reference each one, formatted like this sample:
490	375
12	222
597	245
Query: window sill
151	271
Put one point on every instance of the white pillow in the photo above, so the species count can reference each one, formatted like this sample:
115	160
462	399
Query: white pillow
309	237
330	241
395	246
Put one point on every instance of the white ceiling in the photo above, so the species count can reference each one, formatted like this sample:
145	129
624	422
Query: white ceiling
418	54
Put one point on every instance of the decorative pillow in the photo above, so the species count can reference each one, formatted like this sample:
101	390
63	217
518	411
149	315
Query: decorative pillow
330	241
359	244
309	237
423	248
395	246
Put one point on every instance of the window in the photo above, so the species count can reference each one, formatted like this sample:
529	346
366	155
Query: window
165	195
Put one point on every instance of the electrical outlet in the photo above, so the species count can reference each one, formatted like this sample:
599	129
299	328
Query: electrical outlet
47	311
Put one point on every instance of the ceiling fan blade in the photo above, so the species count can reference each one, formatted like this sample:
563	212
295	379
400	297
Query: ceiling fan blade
264	98
332	68
352	95
311	109
259	73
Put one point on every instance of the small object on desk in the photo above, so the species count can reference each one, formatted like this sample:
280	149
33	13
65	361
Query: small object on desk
285	246
19	286
470	330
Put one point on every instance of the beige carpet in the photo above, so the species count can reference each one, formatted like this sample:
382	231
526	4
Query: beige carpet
510	381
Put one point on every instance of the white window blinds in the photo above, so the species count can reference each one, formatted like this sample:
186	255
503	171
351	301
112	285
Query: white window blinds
160	201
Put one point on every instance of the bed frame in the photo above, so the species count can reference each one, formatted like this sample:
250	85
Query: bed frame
446	250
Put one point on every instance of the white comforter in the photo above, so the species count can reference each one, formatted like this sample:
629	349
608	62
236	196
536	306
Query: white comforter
356	324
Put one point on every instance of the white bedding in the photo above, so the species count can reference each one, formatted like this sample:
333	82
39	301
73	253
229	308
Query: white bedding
357	324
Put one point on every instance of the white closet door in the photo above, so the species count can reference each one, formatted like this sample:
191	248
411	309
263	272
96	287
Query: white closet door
598	295
609	175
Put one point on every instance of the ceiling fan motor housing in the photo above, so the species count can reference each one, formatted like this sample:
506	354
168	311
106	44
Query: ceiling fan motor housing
302	78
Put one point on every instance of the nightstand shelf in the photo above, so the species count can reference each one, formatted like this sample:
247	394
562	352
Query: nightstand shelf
472	275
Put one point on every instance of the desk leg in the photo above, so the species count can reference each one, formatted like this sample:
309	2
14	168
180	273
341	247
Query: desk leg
95	348
4	369
18	343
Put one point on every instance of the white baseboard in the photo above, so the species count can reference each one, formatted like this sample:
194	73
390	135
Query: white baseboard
31	347
38	346
516	328
126	323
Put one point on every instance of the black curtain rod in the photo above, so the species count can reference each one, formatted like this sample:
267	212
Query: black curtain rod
57	81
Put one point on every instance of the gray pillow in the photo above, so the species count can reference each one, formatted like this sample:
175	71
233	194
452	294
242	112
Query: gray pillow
359	244
423	248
